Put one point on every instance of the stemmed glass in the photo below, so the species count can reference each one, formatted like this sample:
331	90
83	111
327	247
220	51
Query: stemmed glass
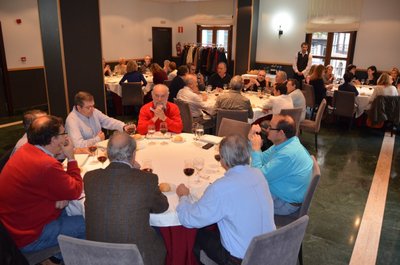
92	150
208	89
130	128
188	169
102	155
199	131
198	164
194	128
362	81
163	128
225	87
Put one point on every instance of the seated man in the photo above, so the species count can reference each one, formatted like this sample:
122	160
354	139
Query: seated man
348	84
34	188
29	116
239	203
233	100
286	165
145	69
173	71
120	68
160	110
280	78
177	83
131	196
279	101
220	78
84	122
259	82
299	101
197	102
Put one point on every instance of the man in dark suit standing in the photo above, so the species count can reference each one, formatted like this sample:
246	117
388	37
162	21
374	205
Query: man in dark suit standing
119	200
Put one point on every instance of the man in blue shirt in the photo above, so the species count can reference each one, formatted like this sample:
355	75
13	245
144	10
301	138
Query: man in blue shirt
286	165
240	203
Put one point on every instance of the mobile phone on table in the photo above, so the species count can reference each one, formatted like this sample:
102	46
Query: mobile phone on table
207	146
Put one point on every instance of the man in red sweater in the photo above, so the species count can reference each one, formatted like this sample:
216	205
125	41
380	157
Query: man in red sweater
34	188
160	110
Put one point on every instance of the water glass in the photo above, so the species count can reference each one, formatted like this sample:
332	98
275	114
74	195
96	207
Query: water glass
199	131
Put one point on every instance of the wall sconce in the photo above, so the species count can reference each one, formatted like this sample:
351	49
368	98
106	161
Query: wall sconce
280	32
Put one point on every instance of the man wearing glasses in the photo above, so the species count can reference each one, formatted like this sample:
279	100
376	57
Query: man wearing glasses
84	122
287	165
34	188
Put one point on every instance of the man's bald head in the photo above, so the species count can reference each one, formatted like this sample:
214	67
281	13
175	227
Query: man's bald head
43	129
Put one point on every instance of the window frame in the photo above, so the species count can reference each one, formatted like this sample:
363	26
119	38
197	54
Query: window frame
214	29
329	43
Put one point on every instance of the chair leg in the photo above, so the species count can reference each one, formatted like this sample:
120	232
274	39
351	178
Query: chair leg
316	141
301	254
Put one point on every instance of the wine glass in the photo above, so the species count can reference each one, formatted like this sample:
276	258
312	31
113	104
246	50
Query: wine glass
188	169
147	165
194	128
198	164
130	128
102	155
199	131
362	81
163	128
151	129
225	87
208	89
92	150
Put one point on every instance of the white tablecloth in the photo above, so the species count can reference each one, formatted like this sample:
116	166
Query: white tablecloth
168	162
362	100
112	83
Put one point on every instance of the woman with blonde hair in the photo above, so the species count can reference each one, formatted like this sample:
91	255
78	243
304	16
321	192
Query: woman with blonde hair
384	87
132	74
395	74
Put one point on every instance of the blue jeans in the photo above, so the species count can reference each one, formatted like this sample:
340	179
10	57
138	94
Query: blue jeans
283	208
73	226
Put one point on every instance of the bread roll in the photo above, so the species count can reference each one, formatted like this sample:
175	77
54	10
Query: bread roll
178	138
164	187
137	136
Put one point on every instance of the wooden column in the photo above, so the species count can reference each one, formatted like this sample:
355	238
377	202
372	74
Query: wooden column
246	35
72	52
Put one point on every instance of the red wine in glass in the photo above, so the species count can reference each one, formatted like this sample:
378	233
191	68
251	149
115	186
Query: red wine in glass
188	171
163	130
102	159
217	157
150	170
92	149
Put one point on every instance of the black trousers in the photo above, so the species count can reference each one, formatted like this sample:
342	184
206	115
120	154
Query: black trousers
210	242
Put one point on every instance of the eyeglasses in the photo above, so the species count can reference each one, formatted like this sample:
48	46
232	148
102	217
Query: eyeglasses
64	133
89	107
273	129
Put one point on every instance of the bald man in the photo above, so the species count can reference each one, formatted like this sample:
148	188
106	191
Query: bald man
160	110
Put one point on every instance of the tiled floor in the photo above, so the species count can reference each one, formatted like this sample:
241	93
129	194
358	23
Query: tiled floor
347	160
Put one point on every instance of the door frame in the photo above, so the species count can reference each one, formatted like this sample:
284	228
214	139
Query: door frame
6	81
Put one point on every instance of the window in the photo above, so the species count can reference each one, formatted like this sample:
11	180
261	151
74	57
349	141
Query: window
220	36
334	48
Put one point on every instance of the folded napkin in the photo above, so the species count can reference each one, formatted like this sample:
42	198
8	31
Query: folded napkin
210	139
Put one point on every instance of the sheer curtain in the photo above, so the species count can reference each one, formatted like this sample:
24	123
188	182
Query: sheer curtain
333	15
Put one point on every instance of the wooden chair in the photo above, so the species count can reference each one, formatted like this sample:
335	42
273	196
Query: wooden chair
132	94
228	127
314	126
85	252
167	83
239	115
309	94
344	105
186	115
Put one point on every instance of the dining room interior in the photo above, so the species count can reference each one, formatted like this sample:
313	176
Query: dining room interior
52	49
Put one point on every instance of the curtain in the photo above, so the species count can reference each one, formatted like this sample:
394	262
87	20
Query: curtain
333	15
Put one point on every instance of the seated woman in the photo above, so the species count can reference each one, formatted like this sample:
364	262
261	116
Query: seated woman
159	75
132	74
328	76
318	84
348	85
372	76
309	74
395	74
384	88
